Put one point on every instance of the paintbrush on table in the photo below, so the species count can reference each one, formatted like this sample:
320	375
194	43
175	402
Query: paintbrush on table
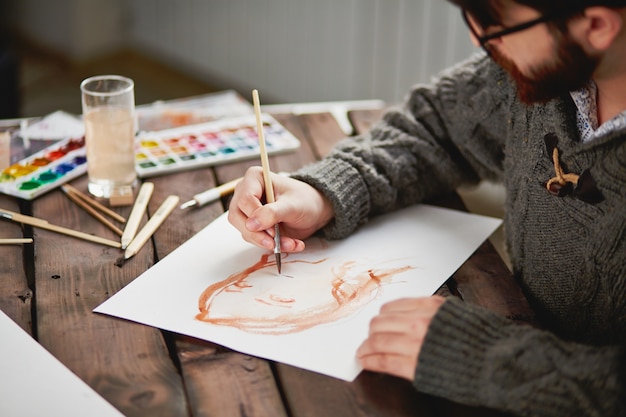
137	212
148	230
93	207
43	224
15	241
269	189
211	195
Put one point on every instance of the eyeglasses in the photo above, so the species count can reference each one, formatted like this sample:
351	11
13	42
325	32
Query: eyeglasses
506	31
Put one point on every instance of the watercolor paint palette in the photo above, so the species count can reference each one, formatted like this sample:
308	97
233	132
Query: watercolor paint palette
45	170
170	150
206	144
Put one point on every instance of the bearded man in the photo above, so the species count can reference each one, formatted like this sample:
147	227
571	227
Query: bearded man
542	110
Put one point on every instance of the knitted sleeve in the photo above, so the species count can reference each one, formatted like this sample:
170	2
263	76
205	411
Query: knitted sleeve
448	133
475	357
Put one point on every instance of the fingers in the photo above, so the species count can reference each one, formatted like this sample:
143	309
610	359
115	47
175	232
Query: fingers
413	304
396	336
288	244
254	220
246	200
393	344
252	228
391	363
414	323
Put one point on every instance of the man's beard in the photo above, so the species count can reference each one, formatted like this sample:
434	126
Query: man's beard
569	71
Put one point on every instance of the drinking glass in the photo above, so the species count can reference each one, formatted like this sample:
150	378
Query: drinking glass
109	114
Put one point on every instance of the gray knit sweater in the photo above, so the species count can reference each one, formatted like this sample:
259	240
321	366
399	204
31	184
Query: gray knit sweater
568	254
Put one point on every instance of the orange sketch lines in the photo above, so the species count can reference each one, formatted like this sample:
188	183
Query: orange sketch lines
260	301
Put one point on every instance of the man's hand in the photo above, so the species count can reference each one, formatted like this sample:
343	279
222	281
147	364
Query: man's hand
300	209
396	336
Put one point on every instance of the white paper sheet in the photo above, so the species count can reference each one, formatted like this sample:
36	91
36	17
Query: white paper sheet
317	312
55	126
34	383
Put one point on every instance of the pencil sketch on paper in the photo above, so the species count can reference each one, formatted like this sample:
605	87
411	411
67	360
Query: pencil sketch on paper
258	300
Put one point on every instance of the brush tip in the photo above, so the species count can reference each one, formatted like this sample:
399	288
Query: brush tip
188	204
278	262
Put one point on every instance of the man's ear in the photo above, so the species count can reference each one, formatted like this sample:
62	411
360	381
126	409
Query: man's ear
600	26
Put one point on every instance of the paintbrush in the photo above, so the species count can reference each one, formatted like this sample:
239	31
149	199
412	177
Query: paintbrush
211	195
43	224
89	206
15	241
148	230
269	189
95	204
139	208
214	194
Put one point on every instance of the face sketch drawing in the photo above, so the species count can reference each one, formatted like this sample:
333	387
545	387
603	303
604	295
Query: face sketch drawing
259	300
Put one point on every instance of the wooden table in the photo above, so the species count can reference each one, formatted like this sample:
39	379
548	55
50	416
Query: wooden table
50	288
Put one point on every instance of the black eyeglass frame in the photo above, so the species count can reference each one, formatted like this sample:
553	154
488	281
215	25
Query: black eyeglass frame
510	30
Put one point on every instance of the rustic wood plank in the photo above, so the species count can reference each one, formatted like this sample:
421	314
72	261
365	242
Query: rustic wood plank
444	407
485	280
221	382
127	363
363	120
217	381
322	132
310	394
15	294
304	155
182	224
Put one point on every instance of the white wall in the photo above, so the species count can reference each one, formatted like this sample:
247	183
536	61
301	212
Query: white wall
305	50
291	50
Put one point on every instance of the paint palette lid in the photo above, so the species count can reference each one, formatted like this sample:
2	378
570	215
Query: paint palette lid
221	141
55	126
45	170
203	108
